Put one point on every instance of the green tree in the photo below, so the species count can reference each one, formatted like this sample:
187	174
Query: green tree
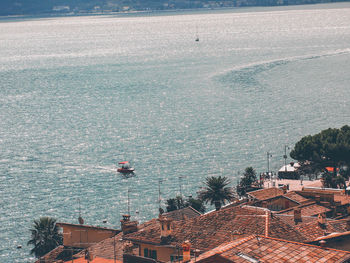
246	181
196	204
216	191
178	203
330	147
44	236
175	203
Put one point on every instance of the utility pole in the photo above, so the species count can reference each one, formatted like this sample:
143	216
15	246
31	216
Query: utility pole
268	162
285	157
159	193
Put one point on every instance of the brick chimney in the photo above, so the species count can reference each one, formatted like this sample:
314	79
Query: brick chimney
166	226
322	243
127	225
284	188
297	215
322	220
186	248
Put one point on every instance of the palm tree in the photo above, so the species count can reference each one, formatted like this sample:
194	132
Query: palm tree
45	236
216	191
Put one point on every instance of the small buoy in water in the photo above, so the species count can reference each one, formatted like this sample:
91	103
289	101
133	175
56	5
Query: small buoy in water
19	246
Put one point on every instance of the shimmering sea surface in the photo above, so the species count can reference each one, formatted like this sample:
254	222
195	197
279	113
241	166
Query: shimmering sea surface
79	94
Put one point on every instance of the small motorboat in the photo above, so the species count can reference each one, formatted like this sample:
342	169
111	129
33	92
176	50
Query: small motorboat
125	168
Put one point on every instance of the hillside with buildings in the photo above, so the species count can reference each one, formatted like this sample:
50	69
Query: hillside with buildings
29	7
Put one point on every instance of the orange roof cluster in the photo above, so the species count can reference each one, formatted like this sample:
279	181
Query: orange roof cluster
265	249
267	193
210	230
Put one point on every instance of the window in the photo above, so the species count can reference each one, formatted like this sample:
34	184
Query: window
149	253
154	254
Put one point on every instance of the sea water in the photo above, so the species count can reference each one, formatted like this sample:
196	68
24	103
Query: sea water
80	94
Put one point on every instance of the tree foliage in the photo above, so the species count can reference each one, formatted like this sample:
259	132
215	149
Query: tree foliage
246	181
44	236
179	203
330	147
216	191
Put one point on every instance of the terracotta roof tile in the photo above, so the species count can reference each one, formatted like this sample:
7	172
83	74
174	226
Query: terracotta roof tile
265	194
309	209
296	197
210	230
181	214
279	250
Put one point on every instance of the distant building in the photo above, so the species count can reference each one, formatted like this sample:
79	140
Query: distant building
61	8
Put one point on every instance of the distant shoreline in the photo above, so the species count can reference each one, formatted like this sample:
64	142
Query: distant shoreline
168	11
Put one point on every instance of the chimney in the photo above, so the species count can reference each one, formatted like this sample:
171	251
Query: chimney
267	223
322	220
322	243
297	215
127	225
186	248
166	227
284	188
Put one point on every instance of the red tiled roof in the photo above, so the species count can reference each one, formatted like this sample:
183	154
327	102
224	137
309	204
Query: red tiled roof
313	230
266	249
296	197
210	230
309	209
265	194
107	247
181	214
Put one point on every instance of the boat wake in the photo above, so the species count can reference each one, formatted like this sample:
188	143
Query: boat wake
245	73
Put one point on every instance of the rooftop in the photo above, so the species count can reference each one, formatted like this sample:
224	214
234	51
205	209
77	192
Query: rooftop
296	197
266	249
60	224
264	194
181	214
307	209
210	230
294	185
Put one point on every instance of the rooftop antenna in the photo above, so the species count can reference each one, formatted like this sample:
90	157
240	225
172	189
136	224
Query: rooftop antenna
285	157
159	193
128	201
